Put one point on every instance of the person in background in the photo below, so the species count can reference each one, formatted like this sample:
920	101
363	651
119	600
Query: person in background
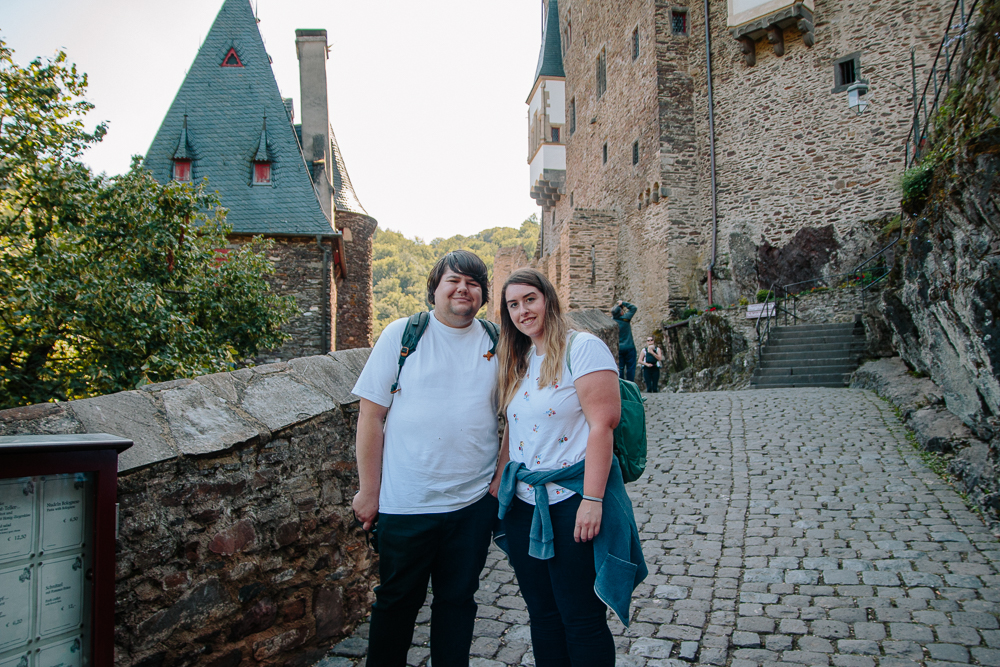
427	467
622	314
568	526
650	359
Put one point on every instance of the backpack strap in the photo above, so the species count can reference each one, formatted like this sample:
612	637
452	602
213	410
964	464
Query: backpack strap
493	331
415	327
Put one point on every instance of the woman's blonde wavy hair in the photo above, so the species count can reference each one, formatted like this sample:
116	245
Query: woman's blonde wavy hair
514	346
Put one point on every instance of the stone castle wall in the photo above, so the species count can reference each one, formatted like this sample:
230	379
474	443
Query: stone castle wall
507	260
790	154
355	307
236	544
299	268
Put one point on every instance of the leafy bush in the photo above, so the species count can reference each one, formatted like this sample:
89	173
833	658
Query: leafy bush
916	183
764	294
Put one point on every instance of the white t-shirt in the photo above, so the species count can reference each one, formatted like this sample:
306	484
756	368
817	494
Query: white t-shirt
547	429
441	441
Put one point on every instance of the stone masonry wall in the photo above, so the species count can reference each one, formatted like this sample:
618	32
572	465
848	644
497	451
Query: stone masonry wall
507	261
592	248
299	272
789	152
355	307
236	544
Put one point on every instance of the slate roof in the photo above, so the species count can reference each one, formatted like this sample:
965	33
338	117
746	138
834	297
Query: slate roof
344	198
550	55
226	109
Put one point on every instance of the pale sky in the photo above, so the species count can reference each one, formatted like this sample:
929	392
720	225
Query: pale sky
427	99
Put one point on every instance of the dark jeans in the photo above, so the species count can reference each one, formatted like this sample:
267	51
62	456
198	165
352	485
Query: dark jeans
569	625
626	364
651	378
448	549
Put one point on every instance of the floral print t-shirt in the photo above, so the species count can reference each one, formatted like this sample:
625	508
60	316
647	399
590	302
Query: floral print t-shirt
547	429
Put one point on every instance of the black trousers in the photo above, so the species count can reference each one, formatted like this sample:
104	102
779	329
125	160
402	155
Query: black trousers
651	378
569	625
449	550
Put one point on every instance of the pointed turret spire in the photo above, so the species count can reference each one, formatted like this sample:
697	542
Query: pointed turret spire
261	155
550	55
182	152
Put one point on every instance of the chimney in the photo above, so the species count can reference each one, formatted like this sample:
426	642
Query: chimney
310	45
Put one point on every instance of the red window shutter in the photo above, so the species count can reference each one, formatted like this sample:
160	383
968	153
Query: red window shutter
182	170
261	173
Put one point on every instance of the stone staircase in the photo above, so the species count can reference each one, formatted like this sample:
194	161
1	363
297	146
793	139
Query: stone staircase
810	355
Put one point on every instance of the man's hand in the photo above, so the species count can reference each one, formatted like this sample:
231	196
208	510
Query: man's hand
588	521
365	508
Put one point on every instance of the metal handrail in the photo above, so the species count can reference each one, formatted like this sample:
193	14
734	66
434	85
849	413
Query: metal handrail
918	133
762	339
857	274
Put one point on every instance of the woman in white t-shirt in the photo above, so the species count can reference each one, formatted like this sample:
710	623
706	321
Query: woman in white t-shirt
560	422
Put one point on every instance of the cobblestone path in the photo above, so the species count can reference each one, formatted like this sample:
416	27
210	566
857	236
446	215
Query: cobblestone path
784	526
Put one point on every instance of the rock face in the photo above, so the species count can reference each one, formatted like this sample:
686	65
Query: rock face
705	354
800	259
236	544
944	301
921	404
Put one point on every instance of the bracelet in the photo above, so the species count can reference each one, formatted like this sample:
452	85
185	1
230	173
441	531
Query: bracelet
592	498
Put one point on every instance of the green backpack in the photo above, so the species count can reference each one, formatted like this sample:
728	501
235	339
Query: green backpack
630	434
415	328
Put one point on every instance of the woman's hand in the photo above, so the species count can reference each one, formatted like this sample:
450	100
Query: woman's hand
588	521
365	508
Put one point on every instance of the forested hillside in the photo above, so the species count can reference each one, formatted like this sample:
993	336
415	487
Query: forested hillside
401	265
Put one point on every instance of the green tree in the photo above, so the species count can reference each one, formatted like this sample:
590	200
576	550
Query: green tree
109	283
401	265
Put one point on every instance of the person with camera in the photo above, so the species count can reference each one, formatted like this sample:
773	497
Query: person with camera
622	313
650	359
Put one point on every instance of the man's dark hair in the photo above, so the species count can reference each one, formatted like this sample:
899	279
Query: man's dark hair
460	261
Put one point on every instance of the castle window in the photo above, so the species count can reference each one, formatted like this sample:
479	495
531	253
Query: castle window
572	116
602	74
604	154
232	59
846	71
555	135
571	199
635	44
261	173
635	152
182	171
679	21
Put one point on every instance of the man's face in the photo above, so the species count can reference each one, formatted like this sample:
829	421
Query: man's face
457	299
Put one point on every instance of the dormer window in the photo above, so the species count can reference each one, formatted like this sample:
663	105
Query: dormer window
182	170
261	173
232	59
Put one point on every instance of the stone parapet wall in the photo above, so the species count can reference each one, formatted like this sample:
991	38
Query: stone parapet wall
236	544
355	305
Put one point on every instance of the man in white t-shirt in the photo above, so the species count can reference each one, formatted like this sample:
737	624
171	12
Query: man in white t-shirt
427	464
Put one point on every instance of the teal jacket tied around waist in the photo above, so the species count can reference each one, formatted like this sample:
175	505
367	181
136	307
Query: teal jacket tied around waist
618	557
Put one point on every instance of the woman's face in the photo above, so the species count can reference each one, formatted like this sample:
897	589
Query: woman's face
526	307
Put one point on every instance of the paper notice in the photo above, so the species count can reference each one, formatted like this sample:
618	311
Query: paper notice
15	607
60	595
67	653
17	518
63	506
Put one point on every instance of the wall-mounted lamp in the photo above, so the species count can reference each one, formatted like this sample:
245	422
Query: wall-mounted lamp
856	96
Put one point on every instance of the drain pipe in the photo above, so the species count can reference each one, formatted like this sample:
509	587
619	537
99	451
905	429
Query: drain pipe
711	149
